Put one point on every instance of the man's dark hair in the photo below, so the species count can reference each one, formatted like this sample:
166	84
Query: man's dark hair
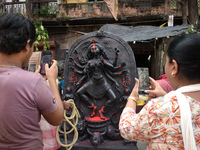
15	30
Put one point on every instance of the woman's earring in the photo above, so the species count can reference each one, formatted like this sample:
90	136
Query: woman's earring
172	74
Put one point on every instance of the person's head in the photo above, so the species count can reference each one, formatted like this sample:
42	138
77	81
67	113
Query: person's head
62	76
183	58
15	31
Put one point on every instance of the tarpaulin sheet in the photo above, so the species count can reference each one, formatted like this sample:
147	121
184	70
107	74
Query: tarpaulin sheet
142	33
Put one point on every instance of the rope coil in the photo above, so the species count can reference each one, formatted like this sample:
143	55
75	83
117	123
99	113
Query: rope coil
74	117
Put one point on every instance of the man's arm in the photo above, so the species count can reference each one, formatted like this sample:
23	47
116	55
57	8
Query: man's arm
56	117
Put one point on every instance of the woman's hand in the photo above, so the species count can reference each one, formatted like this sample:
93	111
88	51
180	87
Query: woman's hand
155	88
134	96
135	90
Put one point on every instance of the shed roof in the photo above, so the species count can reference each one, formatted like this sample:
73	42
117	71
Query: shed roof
142	33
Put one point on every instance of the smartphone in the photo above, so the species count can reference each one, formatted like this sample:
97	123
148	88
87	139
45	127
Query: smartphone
143	74
46	58
34	61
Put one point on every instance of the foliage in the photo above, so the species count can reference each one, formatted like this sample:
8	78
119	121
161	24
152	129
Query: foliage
65	17
192	28
42	35
2	14
48	10
19	13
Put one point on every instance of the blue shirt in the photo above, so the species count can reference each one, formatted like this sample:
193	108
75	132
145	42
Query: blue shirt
61	84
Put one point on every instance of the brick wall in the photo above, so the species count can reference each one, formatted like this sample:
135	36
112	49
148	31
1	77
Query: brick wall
127	9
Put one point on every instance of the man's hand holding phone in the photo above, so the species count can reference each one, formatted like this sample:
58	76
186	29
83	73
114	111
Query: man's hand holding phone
52	72
46	58
38	69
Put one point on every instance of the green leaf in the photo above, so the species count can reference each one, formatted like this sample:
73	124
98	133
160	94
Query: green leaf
39	37
42	35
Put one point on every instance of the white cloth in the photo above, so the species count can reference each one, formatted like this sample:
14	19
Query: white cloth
186	116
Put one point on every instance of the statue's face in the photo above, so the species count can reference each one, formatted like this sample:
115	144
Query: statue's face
95	50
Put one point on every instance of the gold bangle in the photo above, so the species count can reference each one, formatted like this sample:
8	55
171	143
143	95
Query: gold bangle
132	98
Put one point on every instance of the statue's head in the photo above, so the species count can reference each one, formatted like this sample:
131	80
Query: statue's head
96	50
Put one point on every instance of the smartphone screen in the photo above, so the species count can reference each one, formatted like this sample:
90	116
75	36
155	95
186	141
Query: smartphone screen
32	67
143	74
46	58
34	61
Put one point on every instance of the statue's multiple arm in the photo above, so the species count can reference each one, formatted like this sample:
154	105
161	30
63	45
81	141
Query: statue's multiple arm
76	64
113	68
116	57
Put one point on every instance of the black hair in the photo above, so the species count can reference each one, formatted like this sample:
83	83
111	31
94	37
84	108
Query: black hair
15	30
185	49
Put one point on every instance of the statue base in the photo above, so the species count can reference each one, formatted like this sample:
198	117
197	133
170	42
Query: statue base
106	145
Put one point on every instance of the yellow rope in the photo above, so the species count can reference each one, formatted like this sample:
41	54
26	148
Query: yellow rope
74	117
